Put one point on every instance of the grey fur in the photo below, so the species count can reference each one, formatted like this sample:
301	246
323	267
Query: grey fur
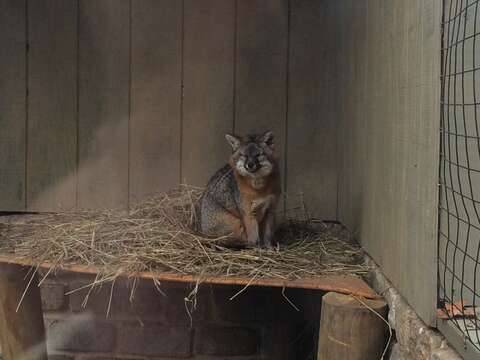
221	195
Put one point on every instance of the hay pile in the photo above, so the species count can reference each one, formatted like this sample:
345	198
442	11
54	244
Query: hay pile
156	236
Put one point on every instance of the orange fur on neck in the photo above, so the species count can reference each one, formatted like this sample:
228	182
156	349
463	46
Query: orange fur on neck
271	187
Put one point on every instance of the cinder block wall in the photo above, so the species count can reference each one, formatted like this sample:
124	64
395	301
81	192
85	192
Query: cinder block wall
257	324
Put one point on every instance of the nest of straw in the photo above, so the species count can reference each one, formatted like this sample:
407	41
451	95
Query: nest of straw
157	236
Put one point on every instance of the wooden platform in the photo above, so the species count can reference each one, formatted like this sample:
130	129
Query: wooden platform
18	281
347	284
21	323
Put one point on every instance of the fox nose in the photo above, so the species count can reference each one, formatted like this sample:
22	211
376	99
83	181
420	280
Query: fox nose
250	165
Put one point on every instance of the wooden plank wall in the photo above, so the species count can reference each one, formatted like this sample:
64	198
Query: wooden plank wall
208	86
155	96
52	104
105	102
261	70
13	110
388	138
116	100
311	164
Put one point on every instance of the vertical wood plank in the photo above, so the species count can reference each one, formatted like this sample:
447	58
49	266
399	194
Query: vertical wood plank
351	100
104	75
209	32
52	105
155	96
429	74
311	169
413	129
261	66
389	167
12	104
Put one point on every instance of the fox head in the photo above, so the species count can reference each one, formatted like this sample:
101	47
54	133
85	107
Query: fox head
253	155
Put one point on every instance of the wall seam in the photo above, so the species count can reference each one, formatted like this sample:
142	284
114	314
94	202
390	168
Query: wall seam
27	50
77	165
129	101
182	85
234	90
338	113
287	85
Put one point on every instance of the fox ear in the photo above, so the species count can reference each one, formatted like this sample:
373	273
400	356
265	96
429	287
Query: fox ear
233	141
267	139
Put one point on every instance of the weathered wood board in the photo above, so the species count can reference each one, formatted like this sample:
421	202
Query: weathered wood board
311	170
13	112
156	69
343	284
130	98
52	105
261	70
208	85
104	103
388	139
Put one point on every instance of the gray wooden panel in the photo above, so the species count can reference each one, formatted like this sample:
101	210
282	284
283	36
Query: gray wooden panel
104	75
352	100
261	69
388	141
12	104
208	61
155	97
312	120
52	105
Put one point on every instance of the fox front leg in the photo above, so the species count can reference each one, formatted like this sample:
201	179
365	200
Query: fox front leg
252	230
269	228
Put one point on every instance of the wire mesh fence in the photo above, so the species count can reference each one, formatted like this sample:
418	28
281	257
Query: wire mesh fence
459	229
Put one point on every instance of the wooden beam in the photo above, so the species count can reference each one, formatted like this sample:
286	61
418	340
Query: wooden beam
350	329
345	284
22	332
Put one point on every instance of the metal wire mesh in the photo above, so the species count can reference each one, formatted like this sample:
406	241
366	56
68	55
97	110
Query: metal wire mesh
459	233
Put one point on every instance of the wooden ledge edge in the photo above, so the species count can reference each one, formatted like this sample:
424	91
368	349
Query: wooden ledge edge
344	284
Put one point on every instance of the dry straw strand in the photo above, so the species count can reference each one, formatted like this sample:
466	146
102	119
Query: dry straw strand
157	236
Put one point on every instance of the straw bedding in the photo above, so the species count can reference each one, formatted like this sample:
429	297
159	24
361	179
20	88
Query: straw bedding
157	236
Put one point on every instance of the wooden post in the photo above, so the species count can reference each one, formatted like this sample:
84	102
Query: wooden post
22	332
351	331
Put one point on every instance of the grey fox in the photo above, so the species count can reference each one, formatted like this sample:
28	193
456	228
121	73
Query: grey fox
240	198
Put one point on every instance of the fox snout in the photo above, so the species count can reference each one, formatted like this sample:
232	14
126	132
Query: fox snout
251	165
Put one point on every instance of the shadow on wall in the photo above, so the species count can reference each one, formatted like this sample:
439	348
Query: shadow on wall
88	166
